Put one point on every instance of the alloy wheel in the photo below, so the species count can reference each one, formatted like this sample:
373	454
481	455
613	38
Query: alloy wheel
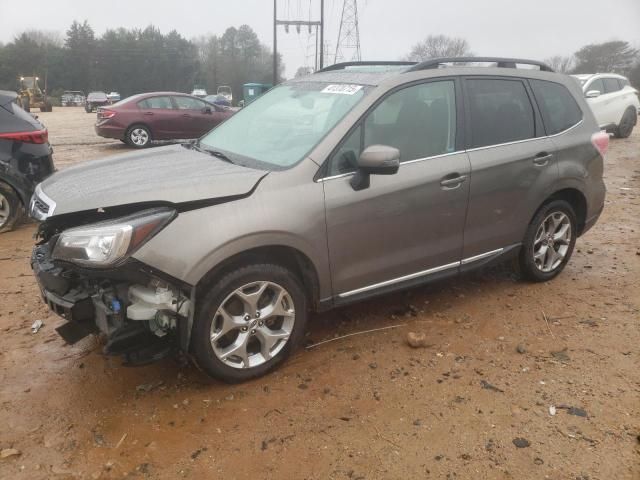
252	325
552	241
5	210
139	137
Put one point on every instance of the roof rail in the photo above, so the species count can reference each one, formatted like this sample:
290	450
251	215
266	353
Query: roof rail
344	65
502	62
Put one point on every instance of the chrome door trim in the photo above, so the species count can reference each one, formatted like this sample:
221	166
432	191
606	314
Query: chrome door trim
399	279
429	271
481	256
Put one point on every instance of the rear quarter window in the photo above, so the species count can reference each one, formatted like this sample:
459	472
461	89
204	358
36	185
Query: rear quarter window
559	109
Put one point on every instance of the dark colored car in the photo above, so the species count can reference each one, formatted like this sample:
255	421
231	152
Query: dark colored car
95	100
25	159
139	119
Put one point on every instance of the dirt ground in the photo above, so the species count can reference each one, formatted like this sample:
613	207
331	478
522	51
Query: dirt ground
362	407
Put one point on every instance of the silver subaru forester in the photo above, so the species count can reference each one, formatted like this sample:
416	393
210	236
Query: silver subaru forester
359	180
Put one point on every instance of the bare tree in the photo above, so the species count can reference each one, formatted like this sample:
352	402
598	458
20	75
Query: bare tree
561	63
435	46
44	38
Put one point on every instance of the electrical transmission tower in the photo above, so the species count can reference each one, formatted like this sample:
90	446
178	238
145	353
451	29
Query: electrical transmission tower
348	47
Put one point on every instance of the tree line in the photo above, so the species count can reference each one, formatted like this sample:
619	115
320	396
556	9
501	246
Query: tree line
132	61
609	57
141	60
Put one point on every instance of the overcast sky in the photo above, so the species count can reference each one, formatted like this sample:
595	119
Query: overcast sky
388	29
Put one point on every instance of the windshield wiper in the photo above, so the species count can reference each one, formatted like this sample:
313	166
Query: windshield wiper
214	153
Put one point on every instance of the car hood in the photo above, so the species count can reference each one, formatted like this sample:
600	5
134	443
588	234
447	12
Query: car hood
172	174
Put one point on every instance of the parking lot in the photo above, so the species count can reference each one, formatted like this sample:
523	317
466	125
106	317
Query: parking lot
518	380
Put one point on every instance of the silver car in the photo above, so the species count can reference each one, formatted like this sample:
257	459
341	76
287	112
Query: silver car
356	181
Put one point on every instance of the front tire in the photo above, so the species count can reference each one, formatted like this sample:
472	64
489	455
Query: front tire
25	104
626	124
138	136
10	208
548	242
249	322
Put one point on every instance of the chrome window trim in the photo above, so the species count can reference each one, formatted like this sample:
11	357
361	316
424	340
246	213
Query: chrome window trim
457	152
515	142
468	260
422	273
567	129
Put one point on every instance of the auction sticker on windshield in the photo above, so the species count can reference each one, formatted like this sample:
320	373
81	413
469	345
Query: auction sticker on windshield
342	89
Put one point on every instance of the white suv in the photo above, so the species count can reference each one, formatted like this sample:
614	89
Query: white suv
613	100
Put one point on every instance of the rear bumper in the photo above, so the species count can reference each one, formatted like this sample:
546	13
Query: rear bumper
109	131
591	221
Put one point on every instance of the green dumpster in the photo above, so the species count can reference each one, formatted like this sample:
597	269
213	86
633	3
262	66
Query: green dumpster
251	91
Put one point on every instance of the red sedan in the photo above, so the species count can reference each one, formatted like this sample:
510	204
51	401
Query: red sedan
139	119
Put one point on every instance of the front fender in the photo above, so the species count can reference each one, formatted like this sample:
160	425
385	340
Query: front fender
289	214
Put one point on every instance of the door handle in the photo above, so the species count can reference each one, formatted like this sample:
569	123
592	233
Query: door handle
450	182
148	113
186	115
542	159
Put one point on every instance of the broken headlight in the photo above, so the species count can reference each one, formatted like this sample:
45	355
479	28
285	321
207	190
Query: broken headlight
106	243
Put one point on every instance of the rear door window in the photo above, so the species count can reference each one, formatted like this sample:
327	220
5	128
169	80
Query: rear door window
558	107
188	103
156	103
611	85
500	112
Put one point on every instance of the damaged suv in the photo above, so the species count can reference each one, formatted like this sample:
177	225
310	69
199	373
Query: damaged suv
356	181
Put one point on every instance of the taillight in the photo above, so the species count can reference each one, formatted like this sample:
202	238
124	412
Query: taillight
600	140
104	114
39	136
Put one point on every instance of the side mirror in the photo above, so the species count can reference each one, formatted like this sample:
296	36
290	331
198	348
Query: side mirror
592	94
375	160
206	109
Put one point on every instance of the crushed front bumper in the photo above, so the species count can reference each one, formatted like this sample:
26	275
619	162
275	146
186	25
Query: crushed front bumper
97	302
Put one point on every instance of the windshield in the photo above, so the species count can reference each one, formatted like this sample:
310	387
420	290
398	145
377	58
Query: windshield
280	128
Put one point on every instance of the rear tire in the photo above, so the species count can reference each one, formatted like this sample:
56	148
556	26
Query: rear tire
548	242
249	322
138	136
626	124
10	208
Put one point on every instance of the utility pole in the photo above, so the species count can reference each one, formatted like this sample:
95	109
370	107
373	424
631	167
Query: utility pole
321	34
275	42
297	24
348	46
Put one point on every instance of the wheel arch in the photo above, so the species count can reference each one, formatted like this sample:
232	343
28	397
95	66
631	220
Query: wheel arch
573	197
23	194
284	255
